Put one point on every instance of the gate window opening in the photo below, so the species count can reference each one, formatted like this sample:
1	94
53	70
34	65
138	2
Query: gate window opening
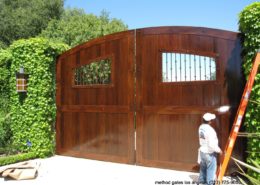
98	72
181	67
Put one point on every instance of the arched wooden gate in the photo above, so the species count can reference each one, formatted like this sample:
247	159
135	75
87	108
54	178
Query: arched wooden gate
147	108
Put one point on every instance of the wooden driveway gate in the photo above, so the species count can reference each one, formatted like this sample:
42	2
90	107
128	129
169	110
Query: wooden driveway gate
160	82
97	121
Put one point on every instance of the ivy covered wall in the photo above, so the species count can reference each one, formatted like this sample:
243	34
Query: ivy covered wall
249	25
33	113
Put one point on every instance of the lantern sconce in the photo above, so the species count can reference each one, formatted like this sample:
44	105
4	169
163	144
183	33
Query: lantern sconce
21	80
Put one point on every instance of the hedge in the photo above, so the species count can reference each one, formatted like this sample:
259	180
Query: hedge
249	25
33	113
16	158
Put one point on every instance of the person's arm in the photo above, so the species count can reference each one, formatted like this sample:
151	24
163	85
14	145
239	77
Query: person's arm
213	142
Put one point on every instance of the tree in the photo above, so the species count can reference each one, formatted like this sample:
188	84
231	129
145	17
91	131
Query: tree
26	18
76	27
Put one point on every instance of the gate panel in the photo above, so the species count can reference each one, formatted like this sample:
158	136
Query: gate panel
169	112
97	120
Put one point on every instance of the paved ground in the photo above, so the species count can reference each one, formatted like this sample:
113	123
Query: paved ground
76	171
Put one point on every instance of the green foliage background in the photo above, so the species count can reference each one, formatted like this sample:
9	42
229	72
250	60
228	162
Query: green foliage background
76	27
33	113
26	18
5	63
249	25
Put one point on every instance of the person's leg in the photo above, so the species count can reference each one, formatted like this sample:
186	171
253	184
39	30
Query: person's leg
203	169
202	176
211	169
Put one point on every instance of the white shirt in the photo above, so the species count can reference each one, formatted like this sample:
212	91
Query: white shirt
208	139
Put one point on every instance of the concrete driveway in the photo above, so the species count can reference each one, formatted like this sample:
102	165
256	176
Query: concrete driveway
77	171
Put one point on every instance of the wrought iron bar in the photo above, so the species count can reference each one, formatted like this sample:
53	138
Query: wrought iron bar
200	66
185	77
210	68
190	68
195	66
167	67
171	66
175	67
205	67
180	65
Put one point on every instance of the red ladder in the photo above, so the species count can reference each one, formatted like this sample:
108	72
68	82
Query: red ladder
237	122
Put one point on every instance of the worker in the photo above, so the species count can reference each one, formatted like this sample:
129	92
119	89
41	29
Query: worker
207	157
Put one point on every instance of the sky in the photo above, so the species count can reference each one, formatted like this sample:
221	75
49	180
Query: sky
220	14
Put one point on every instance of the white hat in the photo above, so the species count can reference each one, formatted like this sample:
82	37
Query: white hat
208	116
